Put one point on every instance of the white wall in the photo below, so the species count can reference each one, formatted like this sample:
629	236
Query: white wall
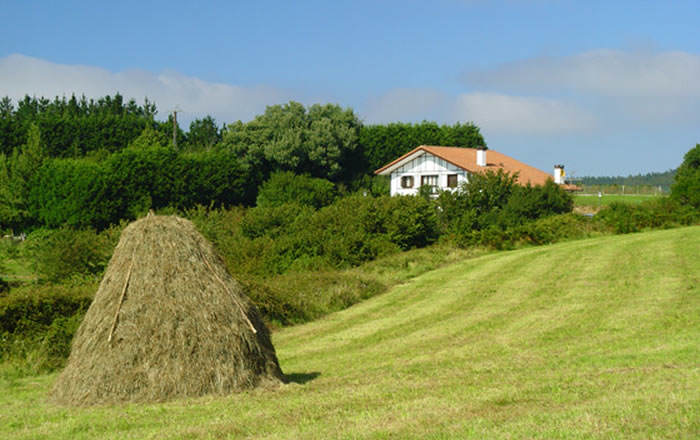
425	165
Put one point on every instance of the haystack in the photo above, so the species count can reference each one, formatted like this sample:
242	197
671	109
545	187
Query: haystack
167	321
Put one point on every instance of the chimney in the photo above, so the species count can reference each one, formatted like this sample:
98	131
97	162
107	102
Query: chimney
559	174
481	156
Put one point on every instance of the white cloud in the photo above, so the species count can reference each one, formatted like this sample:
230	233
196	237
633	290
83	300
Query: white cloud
493	112
408	105
603	72
21	75
625	89
505	114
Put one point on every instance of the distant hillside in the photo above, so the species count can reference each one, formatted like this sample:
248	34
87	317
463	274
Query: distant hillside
664	180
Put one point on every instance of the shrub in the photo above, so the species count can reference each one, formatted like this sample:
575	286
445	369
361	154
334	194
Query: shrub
286	187
557	228
528	203
295	298
624	218
64	253
409	222
32	307
272	220
37	324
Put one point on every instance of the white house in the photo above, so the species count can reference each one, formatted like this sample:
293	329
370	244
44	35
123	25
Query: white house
445	168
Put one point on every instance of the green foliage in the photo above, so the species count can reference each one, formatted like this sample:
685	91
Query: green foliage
478	201
686	188
649	180
270	240
287	187
65	253
203	134
149	137
556	228
273	220
71	192
491	208
37	323
77	126
624	218
4	286
299	297
13	211
83	193
383	143
528	202
320	141
16	174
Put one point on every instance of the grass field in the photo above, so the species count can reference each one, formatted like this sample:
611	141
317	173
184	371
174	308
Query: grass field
595	338
13	267
594	201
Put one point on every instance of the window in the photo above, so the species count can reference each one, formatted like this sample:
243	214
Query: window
431	181
407	182
452	181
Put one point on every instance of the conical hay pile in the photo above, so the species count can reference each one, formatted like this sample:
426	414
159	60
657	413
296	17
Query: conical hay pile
167	321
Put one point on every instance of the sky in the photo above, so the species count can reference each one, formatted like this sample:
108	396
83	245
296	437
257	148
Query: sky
604	87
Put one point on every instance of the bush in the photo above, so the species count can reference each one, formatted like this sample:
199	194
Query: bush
29	308
489	208
37	324
664	212
64	253
527	203
557	228
286	187
295	298
409	222
272	220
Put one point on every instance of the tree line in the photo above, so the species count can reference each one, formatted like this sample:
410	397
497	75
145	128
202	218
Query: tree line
79	162
662	179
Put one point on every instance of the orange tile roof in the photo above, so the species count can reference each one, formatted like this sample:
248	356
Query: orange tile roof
465	158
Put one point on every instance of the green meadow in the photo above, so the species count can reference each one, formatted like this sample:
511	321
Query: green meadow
606	199
596	338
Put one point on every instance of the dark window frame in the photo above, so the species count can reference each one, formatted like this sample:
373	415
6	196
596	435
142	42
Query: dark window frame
407	182
452	180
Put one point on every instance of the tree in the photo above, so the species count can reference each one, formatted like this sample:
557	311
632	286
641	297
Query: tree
16	174
203	134
381	144
11	212
686	188
320	141
149	137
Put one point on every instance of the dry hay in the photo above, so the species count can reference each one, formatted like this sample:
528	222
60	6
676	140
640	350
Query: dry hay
167	321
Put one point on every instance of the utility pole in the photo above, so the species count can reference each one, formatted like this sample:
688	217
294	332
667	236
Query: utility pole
175	129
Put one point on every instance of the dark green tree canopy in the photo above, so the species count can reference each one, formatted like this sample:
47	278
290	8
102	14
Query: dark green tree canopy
319	141
203	134
383	143
686	188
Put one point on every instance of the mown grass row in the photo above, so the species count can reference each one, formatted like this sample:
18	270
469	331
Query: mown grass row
586	339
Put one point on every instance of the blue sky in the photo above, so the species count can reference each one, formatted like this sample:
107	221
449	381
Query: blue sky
605	87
